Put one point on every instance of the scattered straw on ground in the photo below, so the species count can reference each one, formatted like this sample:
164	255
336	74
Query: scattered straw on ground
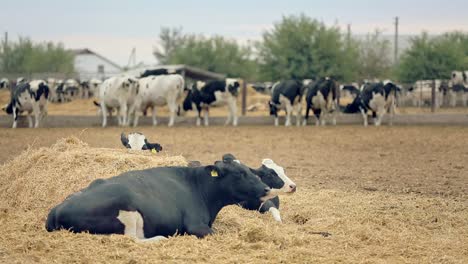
368	226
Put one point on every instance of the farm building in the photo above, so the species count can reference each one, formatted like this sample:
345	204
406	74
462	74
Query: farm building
89	64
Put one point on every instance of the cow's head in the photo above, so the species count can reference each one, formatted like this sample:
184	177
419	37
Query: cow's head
138	141
237	181
273	108
187	103
8	108
274	176
232	86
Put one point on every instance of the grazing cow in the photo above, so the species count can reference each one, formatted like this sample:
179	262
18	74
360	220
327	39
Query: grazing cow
117	93
158	91
5	83
71	89
30	97
421	92
90	87
350	91
203	95
459	77
152	204
458	91
138	141
322	99
286	95
376	97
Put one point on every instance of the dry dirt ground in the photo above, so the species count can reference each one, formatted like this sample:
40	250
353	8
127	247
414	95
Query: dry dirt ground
388	194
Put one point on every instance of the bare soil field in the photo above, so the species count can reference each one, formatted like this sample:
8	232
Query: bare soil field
387	194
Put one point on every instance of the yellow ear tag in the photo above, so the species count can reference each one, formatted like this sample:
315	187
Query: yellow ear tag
153	151
214	173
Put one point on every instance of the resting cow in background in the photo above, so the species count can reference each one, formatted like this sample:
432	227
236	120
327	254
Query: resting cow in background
152	204
203	95
158	91
287	95
30	97
138	141
376	97
322	99
117	93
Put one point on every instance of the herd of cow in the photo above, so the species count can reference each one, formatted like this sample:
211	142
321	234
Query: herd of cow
131	96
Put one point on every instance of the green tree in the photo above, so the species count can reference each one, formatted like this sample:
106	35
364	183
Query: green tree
24	56
374	60
434	58
216	53
301	47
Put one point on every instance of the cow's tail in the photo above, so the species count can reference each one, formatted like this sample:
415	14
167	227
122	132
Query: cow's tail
51	222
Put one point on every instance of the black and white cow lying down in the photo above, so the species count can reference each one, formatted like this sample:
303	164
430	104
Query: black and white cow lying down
138	141
202	96
376	97
322	99
152	204
286	95
272	175
30	97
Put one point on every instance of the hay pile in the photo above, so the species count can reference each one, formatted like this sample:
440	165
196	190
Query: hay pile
365	226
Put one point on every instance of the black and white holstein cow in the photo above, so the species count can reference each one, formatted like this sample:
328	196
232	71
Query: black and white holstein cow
138	141
376	97
158	91
203	95
272	175
152	204
117	93
322	99
30	97
286	95
5	84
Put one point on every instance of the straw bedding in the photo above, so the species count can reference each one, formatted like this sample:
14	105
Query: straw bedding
366	226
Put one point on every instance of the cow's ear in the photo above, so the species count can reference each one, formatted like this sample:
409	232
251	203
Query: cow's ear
228	158
214	171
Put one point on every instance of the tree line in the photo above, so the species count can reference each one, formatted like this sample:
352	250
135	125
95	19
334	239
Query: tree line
297	47
300	47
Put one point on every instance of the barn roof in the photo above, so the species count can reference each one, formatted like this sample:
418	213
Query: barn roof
90	52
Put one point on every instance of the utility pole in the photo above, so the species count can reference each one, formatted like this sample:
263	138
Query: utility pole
5	51
395	59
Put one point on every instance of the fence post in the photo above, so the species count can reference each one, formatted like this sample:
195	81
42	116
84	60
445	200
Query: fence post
433	96
244	97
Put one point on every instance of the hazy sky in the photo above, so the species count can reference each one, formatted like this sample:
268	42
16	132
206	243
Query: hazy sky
113	27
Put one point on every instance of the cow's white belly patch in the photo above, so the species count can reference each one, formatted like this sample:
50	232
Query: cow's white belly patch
133	222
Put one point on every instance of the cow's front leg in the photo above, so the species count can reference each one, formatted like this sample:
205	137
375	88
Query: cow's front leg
104	114
205	117
200	230
298	114
289	110
123	114
364	116
173	110
15	117
153	114
37	115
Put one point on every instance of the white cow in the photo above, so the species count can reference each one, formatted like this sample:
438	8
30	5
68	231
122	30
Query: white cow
117	93
158	90
421	93
31	98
